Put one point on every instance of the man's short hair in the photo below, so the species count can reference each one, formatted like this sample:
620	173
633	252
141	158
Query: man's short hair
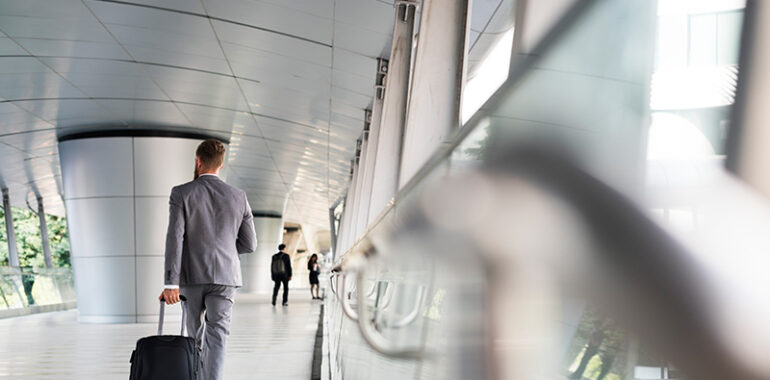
211	152
281	247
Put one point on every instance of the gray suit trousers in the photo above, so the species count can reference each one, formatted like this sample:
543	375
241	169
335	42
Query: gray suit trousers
213	304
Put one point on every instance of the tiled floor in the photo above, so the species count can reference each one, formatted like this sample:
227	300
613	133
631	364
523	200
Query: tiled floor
265	342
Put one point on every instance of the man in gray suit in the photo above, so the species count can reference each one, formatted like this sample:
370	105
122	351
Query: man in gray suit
210	223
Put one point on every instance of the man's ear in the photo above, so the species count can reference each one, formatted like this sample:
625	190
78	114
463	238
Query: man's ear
197	162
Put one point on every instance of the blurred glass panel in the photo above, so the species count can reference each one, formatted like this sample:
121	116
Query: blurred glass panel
703	38
729	34
19	289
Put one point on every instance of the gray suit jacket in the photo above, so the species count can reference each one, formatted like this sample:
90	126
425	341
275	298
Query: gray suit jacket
210	223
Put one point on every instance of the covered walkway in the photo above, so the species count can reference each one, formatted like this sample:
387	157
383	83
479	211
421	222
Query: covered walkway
277	343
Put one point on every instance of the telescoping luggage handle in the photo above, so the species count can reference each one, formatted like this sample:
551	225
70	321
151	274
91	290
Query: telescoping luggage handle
184	315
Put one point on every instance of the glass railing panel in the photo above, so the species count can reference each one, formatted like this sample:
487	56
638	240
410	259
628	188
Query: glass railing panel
30	287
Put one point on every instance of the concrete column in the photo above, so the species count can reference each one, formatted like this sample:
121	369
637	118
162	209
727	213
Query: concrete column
13	254
370	154
437	82
387	162
116	193
256	266
44	233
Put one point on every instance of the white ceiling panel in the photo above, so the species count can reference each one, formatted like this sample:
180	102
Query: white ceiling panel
85	28
362	41
146	113
352	98
209	117
14	119
320	8
372	15
140	89
354	63
152	18
273	17
268	41
21	65
353	82
268	63
50	152
9	47
84	79
43	8
182	60
61	109
67	48
272	86
79	69
171	41
286	101
193	6
348	110
31	141
55	88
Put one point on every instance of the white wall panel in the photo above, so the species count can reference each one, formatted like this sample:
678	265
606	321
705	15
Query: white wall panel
85	176
151	225
148	270
101	226
256	266
106	289
162	163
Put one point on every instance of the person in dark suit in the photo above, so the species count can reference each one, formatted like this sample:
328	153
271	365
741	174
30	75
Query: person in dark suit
210	224
314	269
280	271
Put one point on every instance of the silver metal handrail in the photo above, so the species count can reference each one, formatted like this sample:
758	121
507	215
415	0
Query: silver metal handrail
332	281
411	316
344	299
373	337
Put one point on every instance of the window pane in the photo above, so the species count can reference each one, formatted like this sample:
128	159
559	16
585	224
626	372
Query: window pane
703	37
729	25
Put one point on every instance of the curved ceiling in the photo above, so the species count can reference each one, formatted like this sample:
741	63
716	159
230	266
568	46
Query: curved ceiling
286	82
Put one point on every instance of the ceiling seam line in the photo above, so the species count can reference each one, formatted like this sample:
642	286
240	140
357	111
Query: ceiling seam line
128	53
214	18
166	101
246	100
49	68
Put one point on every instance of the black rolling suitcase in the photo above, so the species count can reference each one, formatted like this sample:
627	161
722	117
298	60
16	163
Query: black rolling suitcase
166	357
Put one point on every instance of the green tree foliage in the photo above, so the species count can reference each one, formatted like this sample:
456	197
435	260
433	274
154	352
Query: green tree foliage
28	242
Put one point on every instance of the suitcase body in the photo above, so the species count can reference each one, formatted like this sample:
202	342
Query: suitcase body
166	357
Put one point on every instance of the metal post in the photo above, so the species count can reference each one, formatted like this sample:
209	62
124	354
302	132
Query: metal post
353	195
357	225
439	75
334	226
342	239
388	157
44	233
370	155
13	254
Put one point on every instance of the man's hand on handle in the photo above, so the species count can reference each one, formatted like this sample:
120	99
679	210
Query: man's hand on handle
171	296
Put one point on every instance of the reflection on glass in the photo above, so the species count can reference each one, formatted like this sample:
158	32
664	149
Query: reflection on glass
491	73
693	89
